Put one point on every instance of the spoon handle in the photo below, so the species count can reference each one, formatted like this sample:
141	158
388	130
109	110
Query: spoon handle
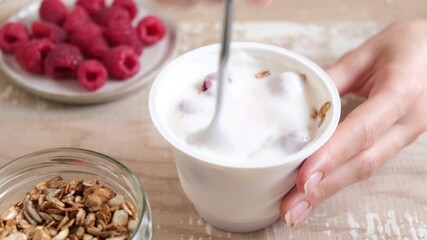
224	55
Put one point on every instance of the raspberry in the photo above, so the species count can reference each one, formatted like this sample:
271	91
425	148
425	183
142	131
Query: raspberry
32	54
286	83
63	61
192	106
92	6
76	18
128	5
121	62
136	43
53	11
85	33
112	14
92	75
96	48
90	40
295	141
122	33
151	29
12	35
43	29
208	81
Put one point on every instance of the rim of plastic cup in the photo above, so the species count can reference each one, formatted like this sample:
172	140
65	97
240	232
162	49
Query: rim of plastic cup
209	160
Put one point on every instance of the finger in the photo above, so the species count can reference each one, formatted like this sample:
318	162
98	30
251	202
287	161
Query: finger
416	117
351	68
357	132
356	169
293	199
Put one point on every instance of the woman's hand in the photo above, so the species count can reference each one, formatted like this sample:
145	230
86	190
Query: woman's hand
390	70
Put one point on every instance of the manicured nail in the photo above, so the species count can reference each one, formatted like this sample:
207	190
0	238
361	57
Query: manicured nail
312	181
293	216
303	216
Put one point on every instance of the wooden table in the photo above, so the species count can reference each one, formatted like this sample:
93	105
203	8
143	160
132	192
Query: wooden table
390	205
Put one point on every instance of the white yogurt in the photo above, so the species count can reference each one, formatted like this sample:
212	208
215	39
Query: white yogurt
242	194
267	118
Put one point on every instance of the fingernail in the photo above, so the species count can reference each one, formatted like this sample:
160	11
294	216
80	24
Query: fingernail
299	211
312	181
302	217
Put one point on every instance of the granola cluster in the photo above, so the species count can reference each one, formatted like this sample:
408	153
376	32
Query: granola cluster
57	210
320	115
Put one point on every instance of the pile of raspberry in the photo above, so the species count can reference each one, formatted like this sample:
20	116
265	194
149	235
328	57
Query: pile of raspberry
90	43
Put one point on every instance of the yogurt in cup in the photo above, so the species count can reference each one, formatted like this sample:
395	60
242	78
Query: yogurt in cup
241	194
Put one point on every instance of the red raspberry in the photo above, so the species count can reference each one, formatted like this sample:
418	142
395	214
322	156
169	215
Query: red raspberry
43	29
85	33
90	40
295	141
12	35
53	11
136	43
63	61
32	54
96	48
192	106
112	14
151	29
122	33
92	6
209	80
121	62
128	5
76	18
92	75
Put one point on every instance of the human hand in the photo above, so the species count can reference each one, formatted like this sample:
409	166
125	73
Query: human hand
390	70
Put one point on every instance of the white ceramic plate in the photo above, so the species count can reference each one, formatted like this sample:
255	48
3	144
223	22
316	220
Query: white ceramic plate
69	91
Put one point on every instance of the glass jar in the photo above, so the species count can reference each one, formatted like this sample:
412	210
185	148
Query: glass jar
19	176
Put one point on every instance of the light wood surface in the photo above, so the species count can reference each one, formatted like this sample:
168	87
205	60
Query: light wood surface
390	205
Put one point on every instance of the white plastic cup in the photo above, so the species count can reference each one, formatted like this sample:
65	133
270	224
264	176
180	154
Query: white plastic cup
232	196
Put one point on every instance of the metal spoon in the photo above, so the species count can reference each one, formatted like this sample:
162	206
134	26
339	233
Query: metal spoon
223	58
216	136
